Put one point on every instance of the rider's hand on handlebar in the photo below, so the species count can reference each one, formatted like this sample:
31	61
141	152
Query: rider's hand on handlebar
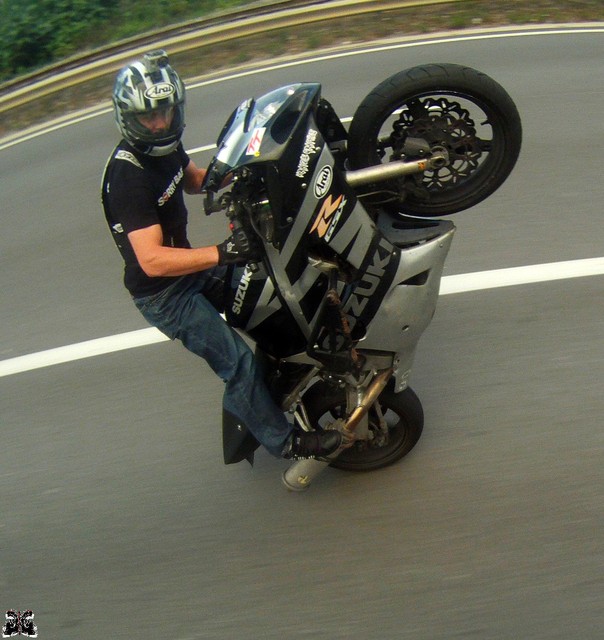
237	248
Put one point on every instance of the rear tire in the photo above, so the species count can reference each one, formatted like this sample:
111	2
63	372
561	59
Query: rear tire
403	414
446	105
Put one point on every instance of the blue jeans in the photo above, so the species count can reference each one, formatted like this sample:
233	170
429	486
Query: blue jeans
188	310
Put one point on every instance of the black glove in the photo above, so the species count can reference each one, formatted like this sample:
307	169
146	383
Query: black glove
237	248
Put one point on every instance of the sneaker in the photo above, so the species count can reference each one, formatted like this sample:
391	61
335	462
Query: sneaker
313	444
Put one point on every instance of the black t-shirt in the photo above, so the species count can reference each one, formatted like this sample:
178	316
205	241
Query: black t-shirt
140	191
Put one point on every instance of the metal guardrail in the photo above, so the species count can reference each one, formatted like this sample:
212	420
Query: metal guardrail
149	37
213	30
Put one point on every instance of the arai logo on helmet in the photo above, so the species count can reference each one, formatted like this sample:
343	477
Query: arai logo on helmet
159	91
323	181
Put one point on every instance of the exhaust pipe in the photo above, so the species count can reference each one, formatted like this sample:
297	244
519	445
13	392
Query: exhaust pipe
299	475
373	392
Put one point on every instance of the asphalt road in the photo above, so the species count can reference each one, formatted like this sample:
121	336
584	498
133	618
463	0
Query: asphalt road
117	516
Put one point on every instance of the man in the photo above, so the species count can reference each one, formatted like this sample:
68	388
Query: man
177	288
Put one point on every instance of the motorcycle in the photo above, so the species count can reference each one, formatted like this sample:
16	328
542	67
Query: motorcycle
348	224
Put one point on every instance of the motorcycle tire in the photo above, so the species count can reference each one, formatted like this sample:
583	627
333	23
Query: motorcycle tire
446	105
403	414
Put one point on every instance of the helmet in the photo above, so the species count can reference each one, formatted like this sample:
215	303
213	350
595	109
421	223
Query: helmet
145	87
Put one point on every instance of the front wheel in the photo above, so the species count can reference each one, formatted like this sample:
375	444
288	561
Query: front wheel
396	422
430	107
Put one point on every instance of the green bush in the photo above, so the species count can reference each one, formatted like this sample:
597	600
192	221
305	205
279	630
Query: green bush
34	33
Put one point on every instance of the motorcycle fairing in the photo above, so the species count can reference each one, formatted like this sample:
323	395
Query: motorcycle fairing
408	307
330	223
258	130
254	307
316	214
237	441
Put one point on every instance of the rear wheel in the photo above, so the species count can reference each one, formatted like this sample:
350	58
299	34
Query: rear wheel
436	106
396	422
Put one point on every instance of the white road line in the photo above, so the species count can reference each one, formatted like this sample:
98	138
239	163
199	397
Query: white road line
81	350
410	41
521	275
206	147
60	123
461	283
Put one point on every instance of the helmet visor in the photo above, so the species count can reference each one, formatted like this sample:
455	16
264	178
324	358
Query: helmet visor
157	121
156	126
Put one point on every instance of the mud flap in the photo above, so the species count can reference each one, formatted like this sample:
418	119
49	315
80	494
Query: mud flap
237	442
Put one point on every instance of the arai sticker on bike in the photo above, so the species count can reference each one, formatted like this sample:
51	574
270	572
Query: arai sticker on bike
253	148
323	181
328	216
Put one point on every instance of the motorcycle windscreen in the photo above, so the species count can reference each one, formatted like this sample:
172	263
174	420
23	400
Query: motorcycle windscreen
259	129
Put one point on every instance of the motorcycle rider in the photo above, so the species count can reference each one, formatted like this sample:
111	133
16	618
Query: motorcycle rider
177	288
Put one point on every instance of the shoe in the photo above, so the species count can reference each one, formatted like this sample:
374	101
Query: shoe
313	444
